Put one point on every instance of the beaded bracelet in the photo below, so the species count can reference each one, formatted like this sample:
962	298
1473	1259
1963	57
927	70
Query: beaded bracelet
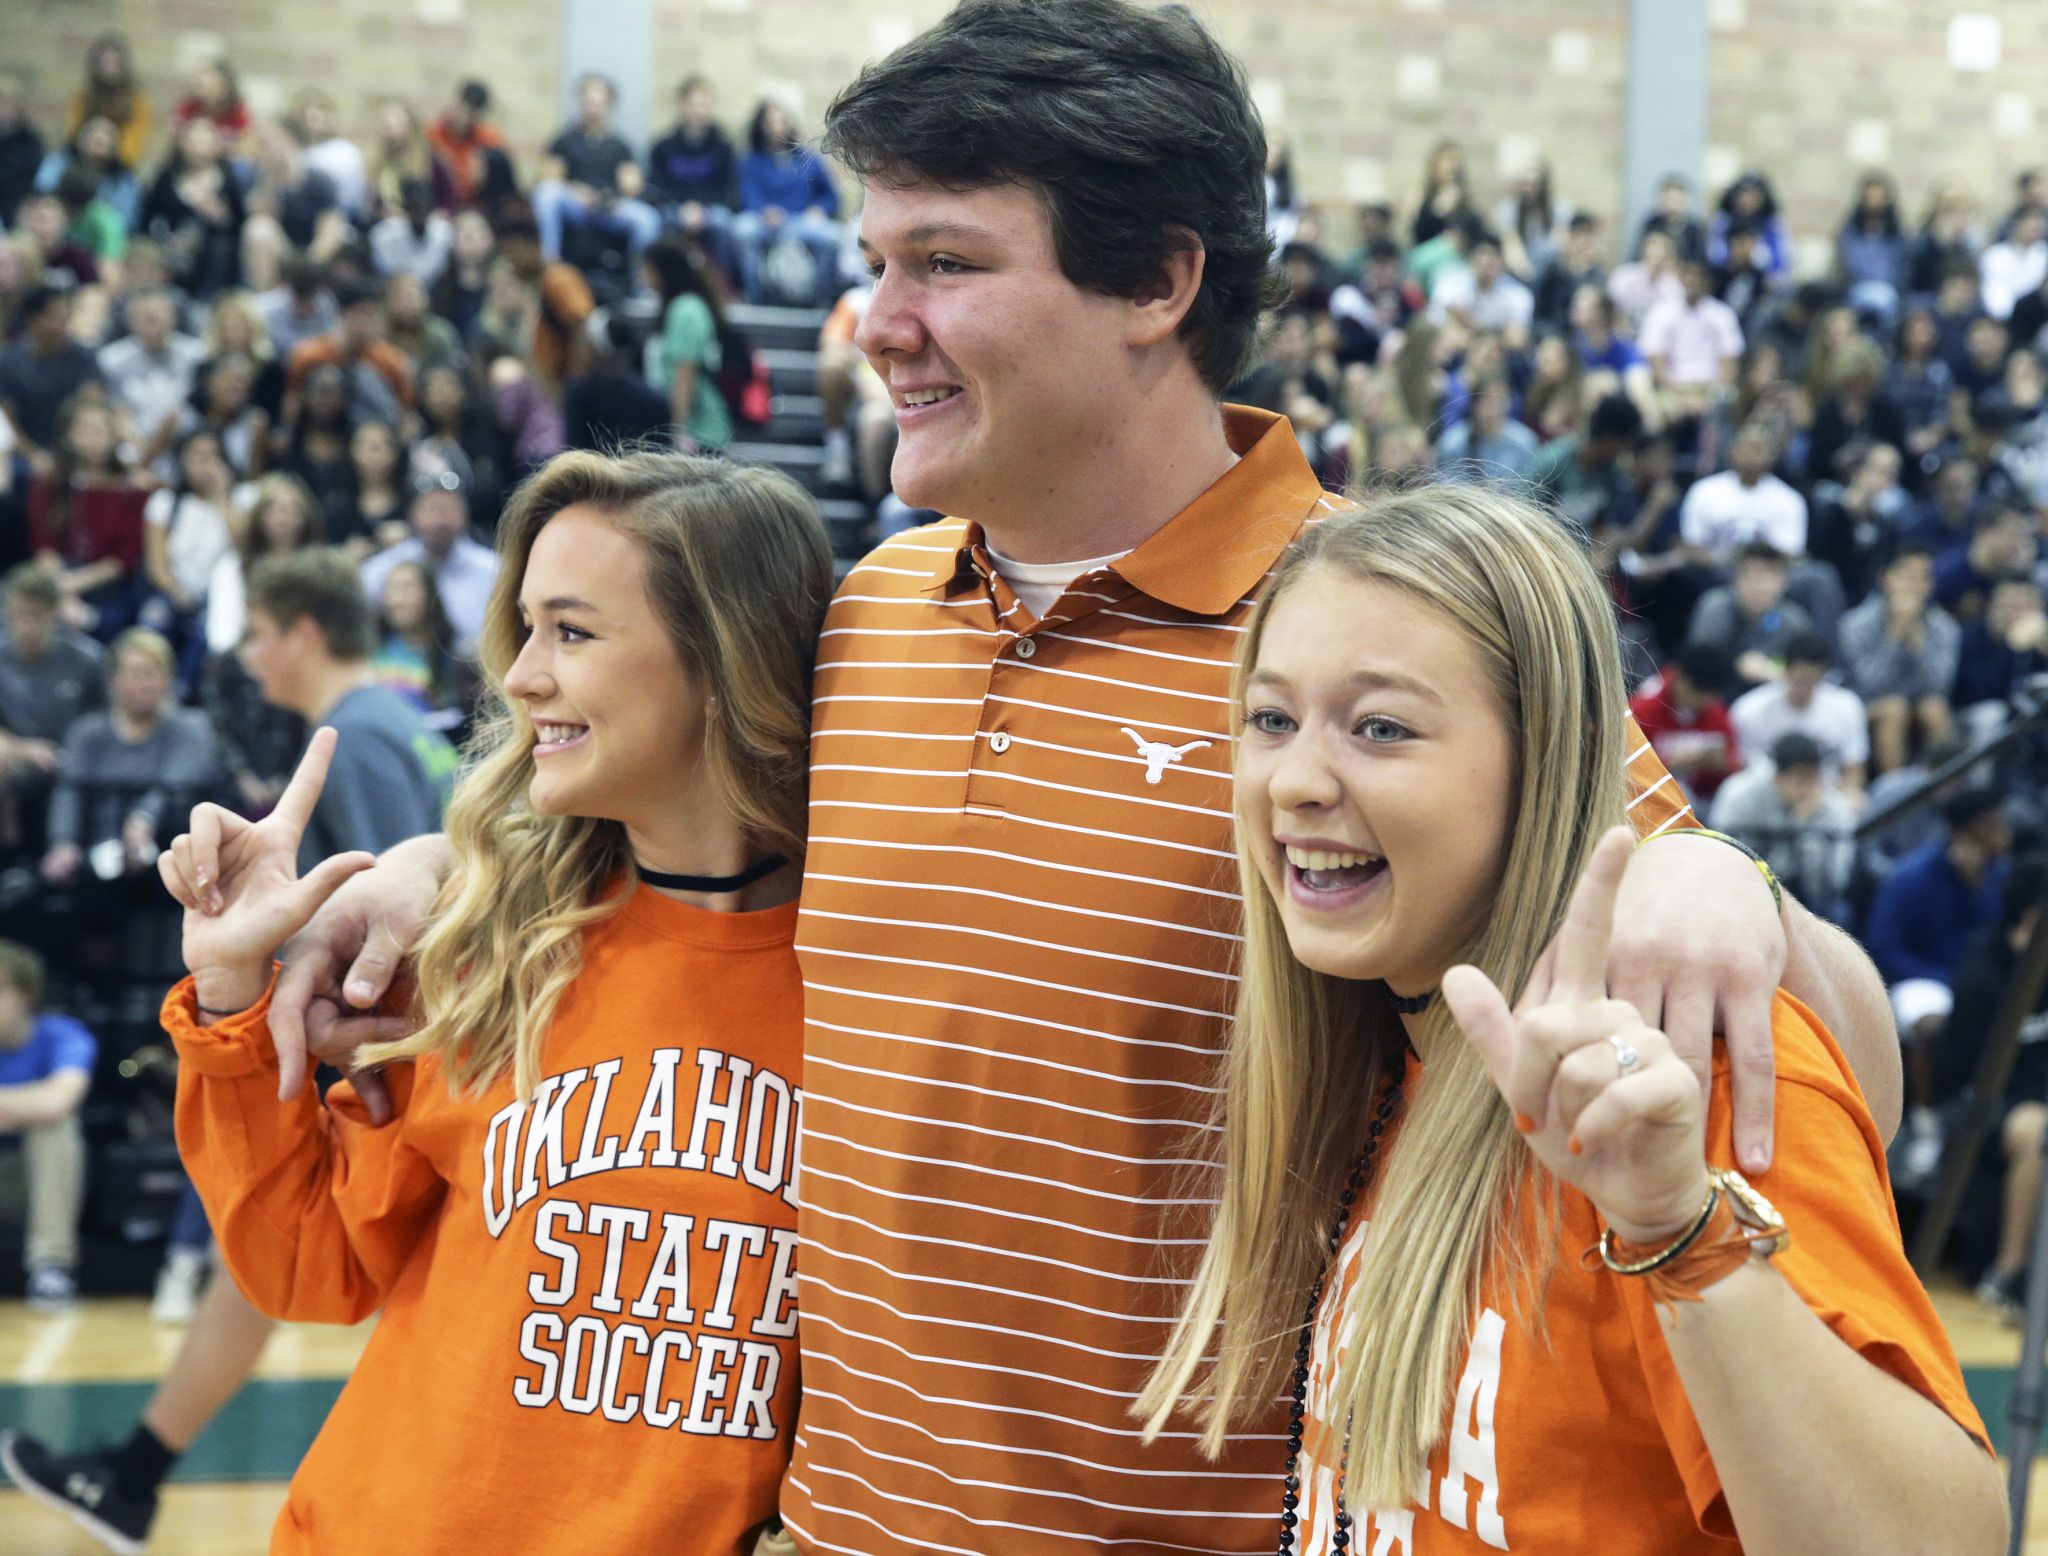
1763	865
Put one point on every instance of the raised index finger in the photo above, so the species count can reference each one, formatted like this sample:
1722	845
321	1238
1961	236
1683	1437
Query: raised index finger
1580	972
295	805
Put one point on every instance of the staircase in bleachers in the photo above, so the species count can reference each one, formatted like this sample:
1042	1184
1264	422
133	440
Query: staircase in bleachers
794	439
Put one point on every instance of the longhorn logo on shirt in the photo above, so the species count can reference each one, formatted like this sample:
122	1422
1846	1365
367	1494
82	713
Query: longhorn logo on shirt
1157	754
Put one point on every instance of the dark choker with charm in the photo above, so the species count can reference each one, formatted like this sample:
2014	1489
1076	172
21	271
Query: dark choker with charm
714	885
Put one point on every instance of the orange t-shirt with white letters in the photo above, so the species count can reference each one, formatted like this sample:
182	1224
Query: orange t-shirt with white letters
1581	1439
588	1330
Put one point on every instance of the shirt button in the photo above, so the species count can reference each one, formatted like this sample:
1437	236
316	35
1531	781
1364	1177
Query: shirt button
999	742
1026	648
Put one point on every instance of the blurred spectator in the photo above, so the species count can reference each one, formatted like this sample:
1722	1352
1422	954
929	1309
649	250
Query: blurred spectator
1428	264
1871	250
2003	649
590	180
1899	655
1531	220
127	772
1788	811
1919	385
150	372
414	240
1807	702
68	262
1487	445
329	153
275	515
1692	343
1744	504
1609	358
463	571
1484	298
1988	969
610	404
1924	917
299	308
259	743
693	174
214	94
415	331
2017	412
1647	280
458	296
1749	201
50	674
46	1063
860	416
788	211
377	461
1555	399
40	370
1585	475
375	373
2015	265
1740	280
1747	622
2006	540
195	210
688	356
1446	193
1854	523
224	408
416	655
317	443
400	151
1674	219
111	92
458	433
478	160
187	533
21	146
85	518
95	148
1852	410
1576	263
1681	714
309	645
1947	516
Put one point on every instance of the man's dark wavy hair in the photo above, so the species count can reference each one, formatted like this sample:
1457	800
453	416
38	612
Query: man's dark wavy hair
1135	125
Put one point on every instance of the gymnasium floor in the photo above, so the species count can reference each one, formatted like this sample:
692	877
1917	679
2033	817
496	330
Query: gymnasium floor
83	1377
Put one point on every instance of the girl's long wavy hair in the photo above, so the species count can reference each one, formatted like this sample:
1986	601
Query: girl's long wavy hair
1310	1050
740	572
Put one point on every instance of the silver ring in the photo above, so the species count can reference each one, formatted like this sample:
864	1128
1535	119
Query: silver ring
1624	1053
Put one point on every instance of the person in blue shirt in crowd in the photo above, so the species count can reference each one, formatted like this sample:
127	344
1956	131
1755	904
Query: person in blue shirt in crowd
46	1065
1922	920
786	192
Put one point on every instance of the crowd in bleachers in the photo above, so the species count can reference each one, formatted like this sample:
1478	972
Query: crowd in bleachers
228	336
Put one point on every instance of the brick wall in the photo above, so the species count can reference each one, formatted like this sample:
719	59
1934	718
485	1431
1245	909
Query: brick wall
1813	90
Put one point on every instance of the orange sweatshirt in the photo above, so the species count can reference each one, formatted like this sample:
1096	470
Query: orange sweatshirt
588	1339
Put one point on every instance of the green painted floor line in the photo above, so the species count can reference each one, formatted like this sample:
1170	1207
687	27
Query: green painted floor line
266	1428
261	1435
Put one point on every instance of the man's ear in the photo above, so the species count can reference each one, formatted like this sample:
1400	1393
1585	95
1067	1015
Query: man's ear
1161	304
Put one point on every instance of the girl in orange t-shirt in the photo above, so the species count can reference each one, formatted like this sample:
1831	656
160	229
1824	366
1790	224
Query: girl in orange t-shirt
579	1226
1534	1310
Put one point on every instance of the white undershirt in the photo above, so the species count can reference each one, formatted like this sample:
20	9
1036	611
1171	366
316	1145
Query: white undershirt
1038	584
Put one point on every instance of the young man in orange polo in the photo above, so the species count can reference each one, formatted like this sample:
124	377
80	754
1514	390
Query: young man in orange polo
1019	913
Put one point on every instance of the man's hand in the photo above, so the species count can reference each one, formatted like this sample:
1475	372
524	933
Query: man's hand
342	963
1699	945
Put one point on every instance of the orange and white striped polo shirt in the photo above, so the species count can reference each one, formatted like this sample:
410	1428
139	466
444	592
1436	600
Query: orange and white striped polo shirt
1018	928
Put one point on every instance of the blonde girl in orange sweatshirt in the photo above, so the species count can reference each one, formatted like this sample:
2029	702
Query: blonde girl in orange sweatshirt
579	1226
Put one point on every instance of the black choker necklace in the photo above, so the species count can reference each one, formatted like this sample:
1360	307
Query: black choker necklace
759	870
1407	1006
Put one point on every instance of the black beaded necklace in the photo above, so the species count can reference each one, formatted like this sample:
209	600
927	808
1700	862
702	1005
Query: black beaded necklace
1297	1410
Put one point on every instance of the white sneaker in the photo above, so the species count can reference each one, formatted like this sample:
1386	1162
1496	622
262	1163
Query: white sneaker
51	1289
177	1286
1922	1157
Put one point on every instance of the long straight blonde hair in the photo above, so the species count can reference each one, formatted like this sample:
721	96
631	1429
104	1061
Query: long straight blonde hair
740	572
1309	1050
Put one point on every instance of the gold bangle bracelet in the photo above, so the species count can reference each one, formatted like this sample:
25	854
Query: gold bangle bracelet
1763	865
1665	1255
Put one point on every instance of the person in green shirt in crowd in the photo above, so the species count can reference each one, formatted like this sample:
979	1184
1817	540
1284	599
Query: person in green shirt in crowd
685	362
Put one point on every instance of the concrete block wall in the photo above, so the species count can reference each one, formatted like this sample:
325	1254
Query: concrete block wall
1813	90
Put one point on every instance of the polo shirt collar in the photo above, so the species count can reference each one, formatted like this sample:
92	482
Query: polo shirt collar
1213	552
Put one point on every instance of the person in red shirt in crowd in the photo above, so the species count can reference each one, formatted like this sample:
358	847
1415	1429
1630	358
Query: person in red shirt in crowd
472	148
215	95
1687	723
